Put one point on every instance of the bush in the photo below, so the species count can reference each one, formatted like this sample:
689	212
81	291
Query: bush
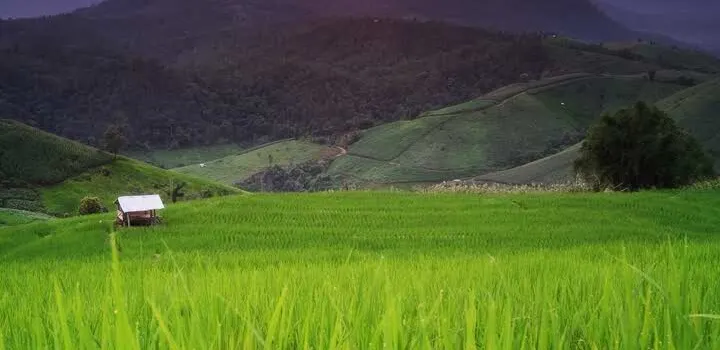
641	147
91	205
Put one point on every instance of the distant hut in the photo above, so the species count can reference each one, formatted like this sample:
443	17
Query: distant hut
138	210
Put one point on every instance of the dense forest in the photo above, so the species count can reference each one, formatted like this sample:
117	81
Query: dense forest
321	78
224	76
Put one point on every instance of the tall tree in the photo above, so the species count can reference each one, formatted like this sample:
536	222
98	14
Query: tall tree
114	139
641	147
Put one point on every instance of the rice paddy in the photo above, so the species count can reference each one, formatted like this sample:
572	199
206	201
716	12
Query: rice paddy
374	270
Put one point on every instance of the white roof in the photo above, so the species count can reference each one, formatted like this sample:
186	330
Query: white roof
132	204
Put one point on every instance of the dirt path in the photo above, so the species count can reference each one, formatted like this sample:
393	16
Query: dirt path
342	150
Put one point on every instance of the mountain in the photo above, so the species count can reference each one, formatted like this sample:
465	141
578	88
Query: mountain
161	27
321	78
183	73
695	22
37	8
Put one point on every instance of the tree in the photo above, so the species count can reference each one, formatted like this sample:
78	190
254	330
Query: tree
91	205
114	138
651	75
641	147
177	191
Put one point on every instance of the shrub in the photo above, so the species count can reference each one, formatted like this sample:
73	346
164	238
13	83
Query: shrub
641	147
91	205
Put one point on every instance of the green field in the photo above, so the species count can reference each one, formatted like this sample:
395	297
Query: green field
176	158
374	270
503	129
232	169
40	172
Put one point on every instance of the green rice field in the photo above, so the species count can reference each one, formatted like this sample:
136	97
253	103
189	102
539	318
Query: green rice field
374	270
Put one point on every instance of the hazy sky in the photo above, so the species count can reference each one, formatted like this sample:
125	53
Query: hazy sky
33	8
666	6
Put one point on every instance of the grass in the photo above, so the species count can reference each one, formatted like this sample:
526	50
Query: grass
695	109
374	270
176	158
36	157
125	177
13	217
231	169
675	57
44	173
698	110
526	123
558	168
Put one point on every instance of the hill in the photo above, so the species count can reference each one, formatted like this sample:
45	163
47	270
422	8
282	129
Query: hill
41	172
233	169
176	158
13	217
693	21
558	168
679	58
695	109
506	128
315	269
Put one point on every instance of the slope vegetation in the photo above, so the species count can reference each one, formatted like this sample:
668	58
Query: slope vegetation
695	109
41	172
236	168
698	110
195	84
13	217
506	128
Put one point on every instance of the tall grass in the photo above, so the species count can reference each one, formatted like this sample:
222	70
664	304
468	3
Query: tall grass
305	278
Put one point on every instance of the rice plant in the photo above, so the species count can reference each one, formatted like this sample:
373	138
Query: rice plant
359	270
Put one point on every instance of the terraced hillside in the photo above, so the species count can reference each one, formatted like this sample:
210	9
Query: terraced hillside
505	128
235	168
175	158
41	172
696	109
13	217
670	56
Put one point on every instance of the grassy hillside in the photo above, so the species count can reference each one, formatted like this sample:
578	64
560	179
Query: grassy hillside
695	109
555	169
670	56
41	172
12	217
125	177
36	157
377	271
698	110
175	158
232	169
505	128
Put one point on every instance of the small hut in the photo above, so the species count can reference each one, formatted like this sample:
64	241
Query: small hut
138	210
